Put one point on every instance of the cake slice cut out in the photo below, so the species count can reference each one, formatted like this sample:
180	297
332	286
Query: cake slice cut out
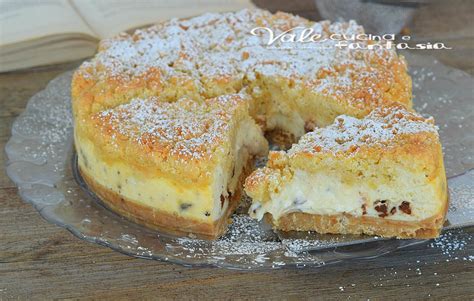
380	175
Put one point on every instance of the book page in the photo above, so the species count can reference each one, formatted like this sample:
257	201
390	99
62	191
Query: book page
51	51
109	17
23	20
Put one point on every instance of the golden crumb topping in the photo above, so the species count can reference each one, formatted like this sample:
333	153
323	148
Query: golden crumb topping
383	127
184	129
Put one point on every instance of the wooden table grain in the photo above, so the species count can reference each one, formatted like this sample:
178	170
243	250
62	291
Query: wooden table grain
41	261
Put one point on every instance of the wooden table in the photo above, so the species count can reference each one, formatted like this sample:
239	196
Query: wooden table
39	260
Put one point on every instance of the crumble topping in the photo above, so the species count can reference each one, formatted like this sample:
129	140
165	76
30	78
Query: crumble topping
184	128
382	126
214	46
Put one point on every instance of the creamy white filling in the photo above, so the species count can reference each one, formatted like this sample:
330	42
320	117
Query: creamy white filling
293	124
248	141
327	194
162	193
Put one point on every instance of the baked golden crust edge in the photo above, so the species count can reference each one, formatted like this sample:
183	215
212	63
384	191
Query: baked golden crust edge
164	221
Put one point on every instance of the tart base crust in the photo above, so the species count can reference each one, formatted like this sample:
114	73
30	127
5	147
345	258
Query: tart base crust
163	221
348	224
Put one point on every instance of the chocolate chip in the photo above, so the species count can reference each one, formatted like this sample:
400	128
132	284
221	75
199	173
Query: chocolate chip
393	210
405	207
382	210
364	209
185	206
222	201
207	213
298	202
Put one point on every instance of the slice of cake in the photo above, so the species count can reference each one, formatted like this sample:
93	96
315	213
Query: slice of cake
380	175
178	167
293	87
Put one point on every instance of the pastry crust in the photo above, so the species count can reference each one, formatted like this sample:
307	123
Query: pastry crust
349	224
164	221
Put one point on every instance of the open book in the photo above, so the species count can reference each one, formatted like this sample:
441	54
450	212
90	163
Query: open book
35	33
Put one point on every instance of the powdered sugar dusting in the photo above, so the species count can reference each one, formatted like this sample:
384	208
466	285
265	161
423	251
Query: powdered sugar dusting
248	243
185	128
381	127
245	236
38	153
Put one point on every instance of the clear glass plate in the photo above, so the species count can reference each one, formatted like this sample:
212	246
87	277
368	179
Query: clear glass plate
41	161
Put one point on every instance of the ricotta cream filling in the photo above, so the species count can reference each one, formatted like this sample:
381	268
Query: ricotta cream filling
327	194
162	193
291	123
248	141
159	193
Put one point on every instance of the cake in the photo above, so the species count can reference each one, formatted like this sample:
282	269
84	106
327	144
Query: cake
176	166
293	85
206	63
380	175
